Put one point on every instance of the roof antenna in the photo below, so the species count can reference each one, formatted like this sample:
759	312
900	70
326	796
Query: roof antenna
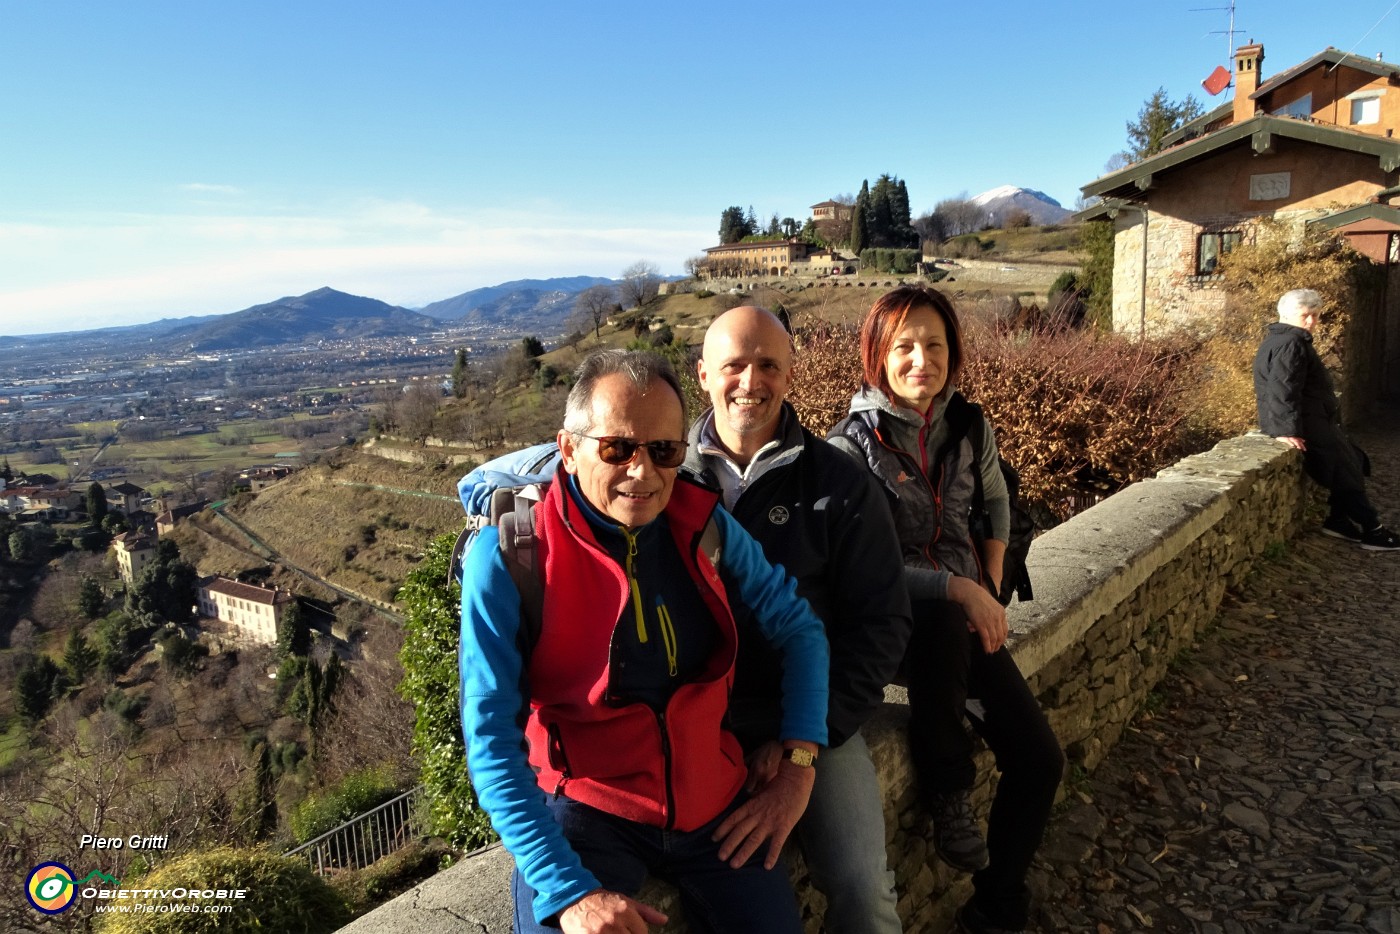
1229	33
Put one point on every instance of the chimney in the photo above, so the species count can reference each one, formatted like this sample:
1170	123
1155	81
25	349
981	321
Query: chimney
1248	60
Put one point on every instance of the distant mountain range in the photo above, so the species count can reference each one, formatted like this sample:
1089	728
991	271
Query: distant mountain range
1000	203
513	294
324	314
522	306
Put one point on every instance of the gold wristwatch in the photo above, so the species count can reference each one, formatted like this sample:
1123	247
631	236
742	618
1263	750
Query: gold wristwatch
799	756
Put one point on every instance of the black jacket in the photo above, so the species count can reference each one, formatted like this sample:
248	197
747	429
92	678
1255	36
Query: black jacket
1292	387
822	517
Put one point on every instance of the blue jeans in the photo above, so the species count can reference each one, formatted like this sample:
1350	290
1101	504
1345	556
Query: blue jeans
842	834
621	853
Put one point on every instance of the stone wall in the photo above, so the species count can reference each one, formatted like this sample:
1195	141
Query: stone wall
1121	590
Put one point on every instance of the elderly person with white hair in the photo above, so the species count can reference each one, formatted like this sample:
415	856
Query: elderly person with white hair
1298	405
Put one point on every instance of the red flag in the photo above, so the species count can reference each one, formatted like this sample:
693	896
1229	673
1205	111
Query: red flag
1218	81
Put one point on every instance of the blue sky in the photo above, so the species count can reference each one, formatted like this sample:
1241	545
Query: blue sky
161	159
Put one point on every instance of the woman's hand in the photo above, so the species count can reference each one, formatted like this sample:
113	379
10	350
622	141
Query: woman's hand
985	616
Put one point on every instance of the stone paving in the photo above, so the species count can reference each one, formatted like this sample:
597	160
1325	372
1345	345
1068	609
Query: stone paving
1260	790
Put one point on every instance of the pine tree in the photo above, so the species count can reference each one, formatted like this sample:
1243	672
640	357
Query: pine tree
7	473
732	226
34	688
751	222
79	658
91	599
1159	116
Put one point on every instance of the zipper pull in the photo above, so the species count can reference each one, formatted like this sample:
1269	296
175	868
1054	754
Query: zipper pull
668	636
634	587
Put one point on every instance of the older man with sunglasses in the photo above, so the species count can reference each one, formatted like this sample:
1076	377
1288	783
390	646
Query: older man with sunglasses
600	753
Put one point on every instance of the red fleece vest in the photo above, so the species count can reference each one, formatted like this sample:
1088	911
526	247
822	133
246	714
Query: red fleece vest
676	768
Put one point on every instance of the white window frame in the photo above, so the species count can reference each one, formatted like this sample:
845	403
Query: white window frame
1362	101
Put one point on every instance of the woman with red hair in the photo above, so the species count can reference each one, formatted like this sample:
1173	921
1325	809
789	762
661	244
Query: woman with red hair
931	449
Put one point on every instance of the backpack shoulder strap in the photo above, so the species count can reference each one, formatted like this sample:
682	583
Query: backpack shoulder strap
711	543
513	512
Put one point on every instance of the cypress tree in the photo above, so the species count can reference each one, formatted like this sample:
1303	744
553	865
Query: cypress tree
459	373
96	504
858	238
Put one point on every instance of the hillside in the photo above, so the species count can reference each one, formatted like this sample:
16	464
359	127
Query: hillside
331	520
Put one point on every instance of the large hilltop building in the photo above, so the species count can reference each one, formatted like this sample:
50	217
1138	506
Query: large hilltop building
134	550
1315	144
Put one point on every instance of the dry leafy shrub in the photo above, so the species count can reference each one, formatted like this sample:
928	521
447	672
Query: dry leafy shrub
1079	414
825	373
1280	258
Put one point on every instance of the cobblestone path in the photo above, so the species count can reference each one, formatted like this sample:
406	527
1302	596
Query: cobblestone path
1261	789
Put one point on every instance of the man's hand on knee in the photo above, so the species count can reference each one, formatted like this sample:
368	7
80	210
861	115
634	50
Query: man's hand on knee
769	815
605	912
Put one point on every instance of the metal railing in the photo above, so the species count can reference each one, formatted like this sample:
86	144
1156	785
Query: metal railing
366	838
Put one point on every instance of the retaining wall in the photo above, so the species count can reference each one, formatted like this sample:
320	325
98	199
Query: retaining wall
1120	590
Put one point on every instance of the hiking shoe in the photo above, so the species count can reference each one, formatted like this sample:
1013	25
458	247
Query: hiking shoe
956	836
1380	539
971	920
1341	527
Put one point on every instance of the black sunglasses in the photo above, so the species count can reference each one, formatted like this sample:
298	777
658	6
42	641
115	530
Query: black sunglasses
619	451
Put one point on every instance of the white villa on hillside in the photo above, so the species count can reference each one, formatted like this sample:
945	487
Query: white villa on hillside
134	551
254	609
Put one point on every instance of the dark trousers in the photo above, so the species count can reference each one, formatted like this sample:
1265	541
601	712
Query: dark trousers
621	853
1335	463
951	677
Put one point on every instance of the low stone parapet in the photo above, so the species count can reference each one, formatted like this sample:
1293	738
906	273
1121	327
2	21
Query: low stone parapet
1120	591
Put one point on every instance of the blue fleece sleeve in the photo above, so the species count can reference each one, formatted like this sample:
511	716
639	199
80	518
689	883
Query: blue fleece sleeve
787	621
494	707
531	465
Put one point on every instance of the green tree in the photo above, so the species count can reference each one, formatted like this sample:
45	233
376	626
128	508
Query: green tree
1096	273
293	632
429	657
733	227
35	688
7	473
530	345
79	658
91	599
1159	116
22	547
858	236
96	504
459	373
166	589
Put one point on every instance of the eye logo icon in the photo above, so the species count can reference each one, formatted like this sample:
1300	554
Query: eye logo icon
50	888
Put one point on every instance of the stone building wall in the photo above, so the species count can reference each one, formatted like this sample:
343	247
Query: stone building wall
1121	590
1176	296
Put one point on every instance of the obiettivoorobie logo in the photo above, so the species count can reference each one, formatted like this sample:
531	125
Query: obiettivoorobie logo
52	889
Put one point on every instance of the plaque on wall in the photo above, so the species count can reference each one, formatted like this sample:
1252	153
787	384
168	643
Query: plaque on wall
1271	187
